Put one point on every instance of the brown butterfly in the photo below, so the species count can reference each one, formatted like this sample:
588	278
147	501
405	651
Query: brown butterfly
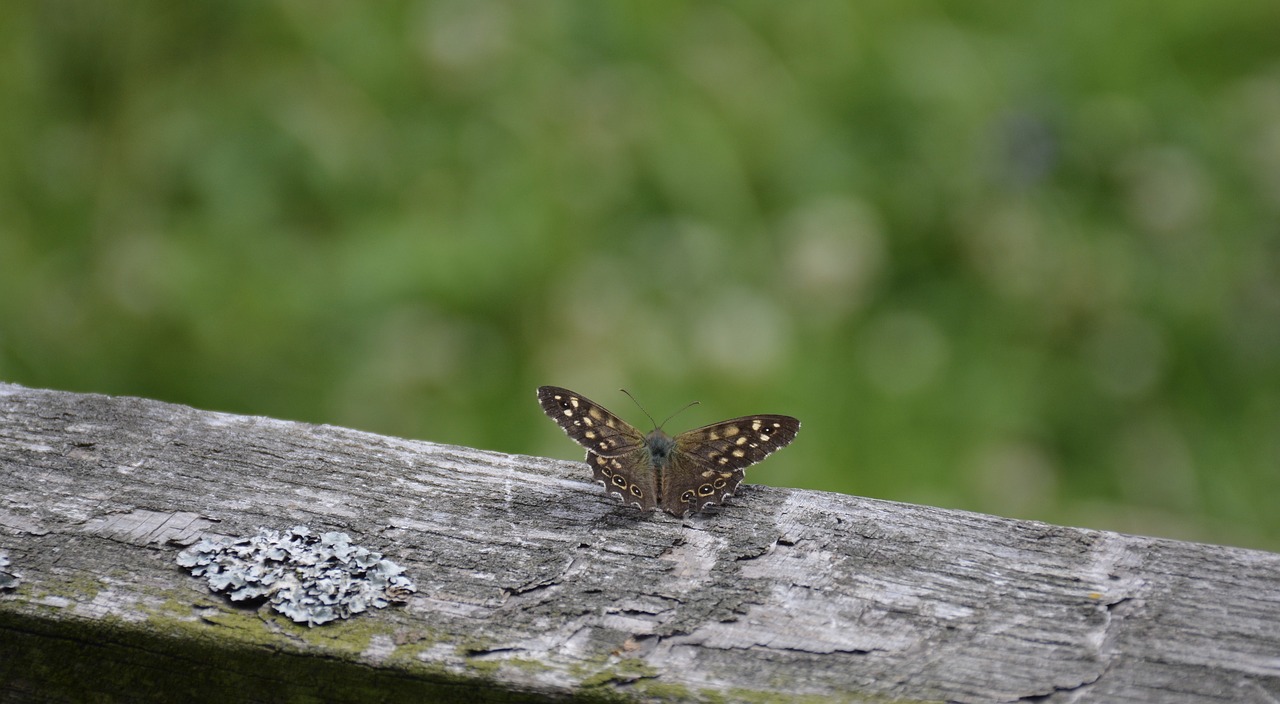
688	473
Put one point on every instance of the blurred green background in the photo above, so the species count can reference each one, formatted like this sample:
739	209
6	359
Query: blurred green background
1020	258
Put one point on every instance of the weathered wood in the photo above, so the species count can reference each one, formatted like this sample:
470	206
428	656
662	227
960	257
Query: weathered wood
532	585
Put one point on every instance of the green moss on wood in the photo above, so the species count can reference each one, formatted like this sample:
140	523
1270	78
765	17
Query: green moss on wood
528	665
174	658
78	590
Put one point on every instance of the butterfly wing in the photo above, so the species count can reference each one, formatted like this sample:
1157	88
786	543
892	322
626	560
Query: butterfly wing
710	462
629	478
616	451
588	423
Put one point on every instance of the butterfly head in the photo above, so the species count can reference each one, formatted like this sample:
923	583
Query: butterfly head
660	445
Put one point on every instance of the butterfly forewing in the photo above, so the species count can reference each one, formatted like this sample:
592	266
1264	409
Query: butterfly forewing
737	443
709	462
588	423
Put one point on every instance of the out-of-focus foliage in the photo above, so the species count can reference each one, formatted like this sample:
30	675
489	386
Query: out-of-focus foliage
1018	258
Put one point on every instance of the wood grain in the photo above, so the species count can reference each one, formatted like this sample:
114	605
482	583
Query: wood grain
533	585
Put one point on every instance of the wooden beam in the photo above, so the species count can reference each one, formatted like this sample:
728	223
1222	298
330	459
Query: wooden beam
531	584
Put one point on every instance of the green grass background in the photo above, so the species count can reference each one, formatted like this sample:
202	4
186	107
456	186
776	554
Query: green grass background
1020	258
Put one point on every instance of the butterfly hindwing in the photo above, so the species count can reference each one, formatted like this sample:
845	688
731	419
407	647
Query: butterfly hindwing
629	478
689	488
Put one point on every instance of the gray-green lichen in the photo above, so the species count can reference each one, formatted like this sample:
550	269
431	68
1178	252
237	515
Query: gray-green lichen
312	579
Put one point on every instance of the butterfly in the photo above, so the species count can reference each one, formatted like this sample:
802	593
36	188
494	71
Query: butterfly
688	473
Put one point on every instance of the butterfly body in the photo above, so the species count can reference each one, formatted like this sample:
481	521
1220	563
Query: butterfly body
686	473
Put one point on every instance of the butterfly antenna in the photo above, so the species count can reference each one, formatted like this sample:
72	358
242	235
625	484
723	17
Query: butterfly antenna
673	415
690	404
633	400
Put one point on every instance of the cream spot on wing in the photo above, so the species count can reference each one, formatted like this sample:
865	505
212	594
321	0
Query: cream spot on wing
742	440
707	474
724	460
731	431
595	413
739	453
587	422
712	435
590	435
604	445
568	412
755	425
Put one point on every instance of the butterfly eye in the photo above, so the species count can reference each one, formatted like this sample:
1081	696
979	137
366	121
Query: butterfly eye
619	482
705	490
720	483
688	496
635	491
